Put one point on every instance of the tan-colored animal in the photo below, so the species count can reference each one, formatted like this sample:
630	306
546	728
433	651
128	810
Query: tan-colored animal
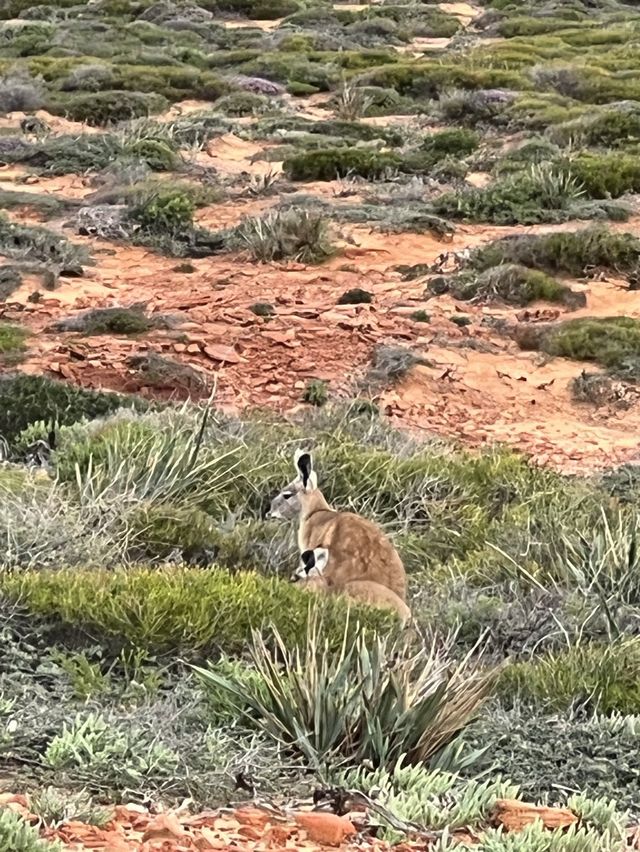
310	573
359	549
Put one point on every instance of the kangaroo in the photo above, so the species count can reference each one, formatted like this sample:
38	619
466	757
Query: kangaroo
310	572
359	549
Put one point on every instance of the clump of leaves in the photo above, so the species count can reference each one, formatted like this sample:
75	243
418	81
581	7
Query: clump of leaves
295	234
356	296
166	210
159	610
316	393
356	706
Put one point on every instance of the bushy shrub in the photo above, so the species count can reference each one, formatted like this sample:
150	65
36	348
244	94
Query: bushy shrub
20	92
183	609
610	341
298	234
159	529
331	164
513	284
165	210
102	108
12	340
356	706
451	143
430	80
606	175
27	399
605	678
570	252
608	128
40	245
539	194
474	108
242	103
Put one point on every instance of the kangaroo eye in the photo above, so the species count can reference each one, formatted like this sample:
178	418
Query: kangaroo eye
287	494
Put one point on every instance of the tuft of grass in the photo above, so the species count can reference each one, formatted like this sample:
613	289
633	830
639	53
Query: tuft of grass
16	835
513	284
12	341
390	364
316	393
54	806
300	235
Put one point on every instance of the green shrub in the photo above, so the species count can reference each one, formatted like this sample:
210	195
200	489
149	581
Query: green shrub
334	163
606	678
40	245
429	80
157	529
606	175
242	103
102	108
27	399
159	156
316	393
455	142
610	341
539	194
115	321
511	283
356	706
12	340
570	252
302	235
182	610
166	210
608	128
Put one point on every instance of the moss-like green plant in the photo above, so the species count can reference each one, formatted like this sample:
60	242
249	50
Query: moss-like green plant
333	163
316	393
102	108
190	609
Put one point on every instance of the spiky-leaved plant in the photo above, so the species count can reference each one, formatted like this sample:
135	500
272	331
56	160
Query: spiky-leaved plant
375	700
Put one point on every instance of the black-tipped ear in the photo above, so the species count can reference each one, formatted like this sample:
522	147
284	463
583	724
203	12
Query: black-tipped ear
51	439
308	560
305	467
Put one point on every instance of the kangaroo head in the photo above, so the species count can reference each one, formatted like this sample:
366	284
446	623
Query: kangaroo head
312	564
288	503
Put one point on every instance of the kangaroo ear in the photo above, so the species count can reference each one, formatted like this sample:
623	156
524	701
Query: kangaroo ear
304	465
51	439
321	558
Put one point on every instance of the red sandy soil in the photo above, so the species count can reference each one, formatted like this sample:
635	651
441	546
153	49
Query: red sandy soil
261	828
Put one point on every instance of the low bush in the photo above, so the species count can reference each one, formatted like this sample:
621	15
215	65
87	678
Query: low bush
316	393
454	142
474	108
333	163
603	678
430	80
570	252
243	103
103	108
301	235
20	92
356	706
12	342
608	128
183	610
606	175
165	210
109	321
40	245
28	399
610	341
513	284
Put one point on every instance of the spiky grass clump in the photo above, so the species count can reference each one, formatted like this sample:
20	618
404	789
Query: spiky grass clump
300	235
357	705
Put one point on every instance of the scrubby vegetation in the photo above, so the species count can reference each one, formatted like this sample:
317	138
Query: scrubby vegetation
153	646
